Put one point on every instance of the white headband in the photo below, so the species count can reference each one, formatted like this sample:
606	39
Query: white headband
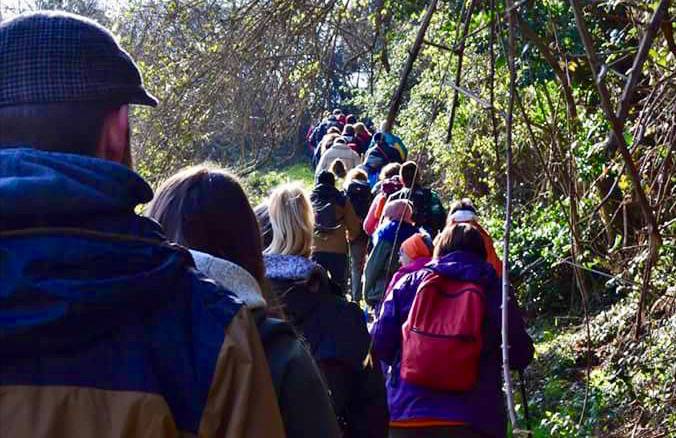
462	216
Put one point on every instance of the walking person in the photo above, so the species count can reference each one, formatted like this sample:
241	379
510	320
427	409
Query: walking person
359	194
383	261
335	224
107	329
428	211
339	150
334	328
444	354
227	248
389	183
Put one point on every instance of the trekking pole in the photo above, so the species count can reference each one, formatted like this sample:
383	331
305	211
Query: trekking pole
524	398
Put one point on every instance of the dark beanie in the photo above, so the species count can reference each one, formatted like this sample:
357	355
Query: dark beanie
326	177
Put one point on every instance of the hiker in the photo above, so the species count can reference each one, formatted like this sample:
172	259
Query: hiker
362	138
384	148
322	129
389	172
335	224
383	261
324	144
107	328
338	150
227	248
389	183
351	139
428	212
414	254
359	194
464	211
440	384
334	328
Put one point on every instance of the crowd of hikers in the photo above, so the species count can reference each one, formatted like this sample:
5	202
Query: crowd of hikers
358	309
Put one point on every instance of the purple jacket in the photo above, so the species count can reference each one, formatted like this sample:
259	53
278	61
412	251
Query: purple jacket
482	408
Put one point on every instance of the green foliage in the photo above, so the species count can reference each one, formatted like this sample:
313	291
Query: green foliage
259	183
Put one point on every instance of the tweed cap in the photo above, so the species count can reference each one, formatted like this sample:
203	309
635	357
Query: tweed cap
52	57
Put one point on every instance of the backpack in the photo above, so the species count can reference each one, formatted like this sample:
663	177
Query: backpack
442	336
326	216
360	197
428	211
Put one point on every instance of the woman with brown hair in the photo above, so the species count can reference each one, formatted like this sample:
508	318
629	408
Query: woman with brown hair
439	334
205	209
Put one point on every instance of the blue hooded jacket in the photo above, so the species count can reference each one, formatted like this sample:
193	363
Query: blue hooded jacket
92	296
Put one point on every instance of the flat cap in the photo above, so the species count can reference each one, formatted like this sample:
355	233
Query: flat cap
51	57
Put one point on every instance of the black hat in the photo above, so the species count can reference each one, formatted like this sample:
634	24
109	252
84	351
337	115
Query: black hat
326	177
51	57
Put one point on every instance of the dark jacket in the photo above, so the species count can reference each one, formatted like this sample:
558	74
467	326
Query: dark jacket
348	226
383	261
301	392
108	330
482	408
428	211
336	332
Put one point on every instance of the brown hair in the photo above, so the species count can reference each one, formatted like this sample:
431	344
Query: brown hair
408	173
204	208
459	237
389	170
338	168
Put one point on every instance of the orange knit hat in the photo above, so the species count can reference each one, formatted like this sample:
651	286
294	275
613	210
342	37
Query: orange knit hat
415	247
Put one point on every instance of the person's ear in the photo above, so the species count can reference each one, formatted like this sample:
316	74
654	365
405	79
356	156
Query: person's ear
114	140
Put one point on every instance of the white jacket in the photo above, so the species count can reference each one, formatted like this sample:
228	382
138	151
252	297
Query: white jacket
338	150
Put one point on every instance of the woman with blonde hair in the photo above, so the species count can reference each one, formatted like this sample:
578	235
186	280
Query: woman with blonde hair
334	329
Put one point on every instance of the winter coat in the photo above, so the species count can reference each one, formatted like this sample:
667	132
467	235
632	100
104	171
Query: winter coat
338	151
414	266
384	258
482	407
301	392
387	187
348	224
336	332
107	329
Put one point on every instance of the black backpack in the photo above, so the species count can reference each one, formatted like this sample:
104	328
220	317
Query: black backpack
360	196
324	208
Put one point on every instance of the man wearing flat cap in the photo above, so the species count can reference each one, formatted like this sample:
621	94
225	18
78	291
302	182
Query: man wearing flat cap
106	329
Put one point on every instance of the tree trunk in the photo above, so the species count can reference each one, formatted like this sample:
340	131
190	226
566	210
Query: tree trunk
395	103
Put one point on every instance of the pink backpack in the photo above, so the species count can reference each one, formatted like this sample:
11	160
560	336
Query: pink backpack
442	335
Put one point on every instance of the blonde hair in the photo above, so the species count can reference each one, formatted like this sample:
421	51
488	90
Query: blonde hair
355	174
292	221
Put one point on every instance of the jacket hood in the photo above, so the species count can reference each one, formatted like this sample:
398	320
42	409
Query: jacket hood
464	266
232	277
288	267
43	185
63	287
